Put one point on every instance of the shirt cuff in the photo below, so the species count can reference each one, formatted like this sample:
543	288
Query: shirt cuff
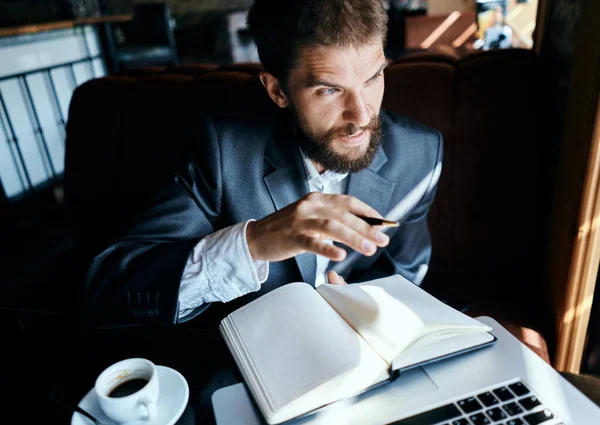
261	267
220	269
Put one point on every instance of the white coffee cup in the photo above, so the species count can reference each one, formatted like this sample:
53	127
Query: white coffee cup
128	390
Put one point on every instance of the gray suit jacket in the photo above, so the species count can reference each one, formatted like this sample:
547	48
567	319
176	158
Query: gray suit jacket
249	167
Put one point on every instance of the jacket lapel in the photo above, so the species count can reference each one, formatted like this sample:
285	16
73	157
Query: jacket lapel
287	183
370	187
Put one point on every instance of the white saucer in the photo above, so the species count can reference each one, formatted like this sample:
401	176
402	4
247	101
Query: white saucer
172	399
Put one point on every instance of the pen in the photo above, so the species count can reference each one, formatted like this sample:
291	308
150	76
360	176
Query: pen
378	221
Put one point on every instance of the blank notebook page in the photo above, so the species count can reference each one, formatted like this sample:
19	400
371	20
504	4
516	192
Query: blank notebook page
390	313
294	342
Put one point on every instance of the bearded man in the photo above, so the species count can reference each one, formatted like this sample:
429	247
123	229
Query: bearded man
271	198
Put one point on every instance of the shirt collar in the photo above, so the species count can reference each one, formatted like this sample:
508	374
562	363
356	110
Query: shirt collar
313	176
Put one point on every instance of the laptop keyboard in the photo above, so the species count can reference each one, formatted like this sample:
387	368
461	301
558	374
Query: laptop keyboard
510	404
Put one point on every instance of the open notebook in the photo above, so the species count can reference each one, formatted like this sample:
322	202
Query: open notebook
300	349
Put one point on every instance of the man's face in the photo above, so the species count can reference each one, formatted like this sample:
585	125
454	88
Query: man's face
335	95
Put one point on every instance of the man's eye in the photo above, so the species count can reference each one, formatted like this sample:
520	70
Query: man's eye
326	92
377	76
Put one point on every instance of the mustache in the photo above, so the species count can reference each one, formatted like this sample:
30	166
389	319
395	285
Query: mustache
350	129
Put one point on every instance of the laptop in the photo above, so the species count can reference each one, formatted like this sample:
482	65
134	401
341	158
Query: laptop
505	384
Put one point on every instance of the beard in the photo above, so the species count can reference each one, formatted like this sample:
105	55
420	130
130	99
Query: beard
320	149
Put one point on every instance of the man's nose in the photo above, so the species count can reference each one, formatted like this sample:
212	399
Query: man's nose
357	111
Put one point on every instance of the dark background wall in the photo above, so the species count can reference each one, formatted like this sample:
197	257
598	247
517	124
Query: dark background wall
19	12
557	56
200	25
198	22
557	50
182	7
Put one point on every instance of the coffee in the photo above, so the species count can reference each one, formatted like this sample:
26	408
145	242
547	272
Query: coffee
128	387
128	390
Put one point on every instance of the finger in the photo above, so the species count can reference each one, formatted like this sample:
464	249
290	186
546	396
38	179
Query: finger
314	245
354	205
343	208
374	233
330	228
335	279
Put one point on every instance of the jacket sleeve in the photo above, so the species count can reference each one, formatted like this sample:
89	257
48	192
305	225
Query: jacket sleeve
409	250
135	279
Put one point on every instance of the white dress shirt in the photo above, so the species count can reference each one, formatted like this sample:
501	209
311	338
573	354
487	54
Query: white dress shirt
220	268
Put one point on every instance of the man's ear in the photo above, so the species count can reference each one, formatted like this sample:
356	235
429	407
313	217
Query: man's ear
274	89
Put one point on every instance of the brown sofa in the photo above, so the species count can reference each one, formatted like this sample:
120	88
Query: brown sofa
488	220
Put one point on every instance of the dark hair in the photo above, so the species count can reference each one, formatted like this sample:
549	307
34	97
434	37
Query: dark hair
282	27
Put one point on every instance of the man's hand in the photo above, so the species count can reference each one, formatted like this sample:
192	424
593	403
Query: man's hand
305	224
335	279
